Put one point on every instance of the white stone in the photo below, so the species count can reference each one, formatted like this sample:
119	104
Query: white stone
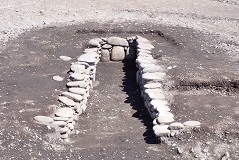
78	68
64	136
176	126
61	118
57	78
155	94
157	103
155	122
65	58
94	43
117	53
95	49
152	85
66	101
191	124
165	113
154	76
43	119
145	46
78	77
117	41
64	112
144	54
81	84
161	130
106	46
75	97
143	50
164	119
87	58
153	69
141	39
76	90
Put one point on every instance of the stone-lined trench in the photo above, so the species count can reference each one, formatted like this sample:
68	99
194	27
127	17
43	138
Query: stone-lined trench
150	77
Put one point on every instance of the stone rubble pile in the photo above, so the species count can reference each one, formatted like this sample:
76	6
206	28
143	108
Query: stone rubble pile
150	77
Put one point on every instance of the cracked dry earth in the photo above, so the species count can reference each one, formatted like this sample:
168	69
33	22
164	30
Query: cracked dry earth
202	84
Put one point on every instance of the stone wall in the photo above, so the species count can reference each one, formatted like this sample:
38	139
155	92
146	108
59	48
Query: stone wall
150	77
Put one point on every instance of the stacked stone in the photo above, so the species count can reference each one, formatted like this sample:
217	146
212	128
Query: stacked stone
150	77
113	48
75	99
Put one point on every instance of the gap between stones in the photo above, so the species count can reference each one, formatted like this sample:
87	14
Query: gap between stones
150	77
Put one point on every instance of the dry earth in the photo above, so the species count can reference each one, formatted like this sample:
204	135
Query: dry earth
200	38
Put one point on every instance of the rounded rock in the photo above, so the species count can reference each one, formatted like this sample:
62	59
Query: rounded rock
152	85
105	55
117	41
76	90
80	84
161	130
58	78
176	126
78	76
43	119
106	46
155	94
66	101
60	119
162	119
73	96
65	58
64	112
94	43
118	53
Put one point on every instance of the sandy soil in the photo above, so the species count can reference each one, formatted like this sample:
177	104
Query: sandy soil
192	35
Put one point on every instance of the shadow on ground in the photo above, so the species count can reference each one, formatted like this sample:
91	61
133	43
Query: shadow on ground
134	99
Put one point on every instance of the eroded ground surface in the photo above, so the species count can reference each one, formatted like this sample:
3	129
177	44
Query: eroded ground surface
202	84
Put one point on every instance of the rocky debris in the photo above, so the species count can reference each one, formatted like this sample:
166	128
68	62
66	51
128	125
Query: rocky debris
105	55
118	53
117	41
43	119
57	78
65	58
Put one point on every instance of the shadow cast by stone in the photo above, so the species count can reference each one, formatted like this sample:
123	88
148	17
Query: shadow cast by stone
134	99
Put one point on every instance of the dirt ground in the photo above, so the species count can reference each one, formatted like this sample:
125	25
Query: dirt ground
197	39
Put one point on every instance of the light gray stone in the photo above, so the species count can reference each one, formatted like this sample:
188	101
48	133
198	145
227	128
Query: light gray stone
94	43
144	54
65	58
141	39
105	55
191	124
58	124
61	119
78	68
75	97
87	58
162	119
77	90
66	101
145	46
153	85
153	69
161	130
63	130
80	84
78	77
118	53
165	113
64	112
157	103
117	41
43	119
57	78
143	50
154	76
106	46
155	94
176	126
